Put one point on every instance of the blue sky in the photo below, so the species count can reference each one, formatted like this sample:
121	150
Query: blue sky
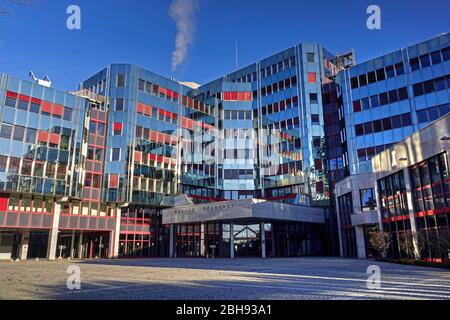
141	32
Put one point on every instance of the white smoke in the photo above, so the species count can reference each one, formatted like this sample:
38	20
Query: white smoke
183	13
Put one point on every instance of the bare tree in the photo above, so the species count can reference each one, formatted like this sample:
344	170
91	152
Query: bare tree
406	243
381	242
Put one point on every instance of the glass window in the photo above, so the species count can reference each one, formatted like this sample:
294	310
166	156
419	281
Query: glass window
368	201
18	133
399	69
34	107
406	119
6	131
396	122
402	94
119	104
310	57
383	99
374	101
354	82
418	89
68	114
9	102
422	116
390	72
436	57
22	105
365	103
446	54
115	154
381	74
371	77
121	80
31	135
414	63
425	61
362	80
313	98
428	86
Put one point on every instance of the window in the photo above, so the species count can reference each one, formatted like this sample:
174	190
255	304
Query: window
117	129
22	105
68	114
121	80
18	133
315	119
399	69
428	86
406	119
371	77
446	54
418	89
402	94
119	104
365	103
368	201
436	57
6	131
362	80
425	61
357	106
115	154
312	77
414	63
354	83
310	57
381	75
10	102
390	72
313	98
393	96
374	101
384	99
31	135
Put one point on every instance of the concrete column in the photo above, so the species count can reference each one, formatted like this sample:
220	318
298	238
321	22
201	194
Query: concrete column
24	244
80	246
338	218
72	246
231	240
202	240
409	198
274	243
360	242
114	241
171	242
379	206
263	240
53	234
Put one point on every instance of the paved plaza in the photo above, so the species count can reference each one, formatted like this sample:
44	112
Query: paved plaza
246	279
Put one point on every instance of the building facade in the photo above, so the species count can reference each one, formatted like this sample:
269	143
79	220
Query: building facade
136	164
385	100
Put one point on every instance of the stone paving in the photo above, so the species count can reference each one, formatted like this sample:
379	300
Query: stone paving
220	279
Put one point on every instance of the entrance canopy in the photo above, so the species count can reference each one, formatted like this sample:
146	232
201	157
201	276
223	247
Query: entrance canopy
242	211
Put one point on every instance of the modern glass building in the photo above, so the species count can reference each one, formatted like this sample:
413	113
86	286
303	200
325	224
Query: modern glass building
384	101
136	164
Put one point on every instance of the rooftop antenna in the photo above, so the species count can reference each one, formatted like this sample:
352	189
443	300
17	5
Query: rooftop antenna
43	82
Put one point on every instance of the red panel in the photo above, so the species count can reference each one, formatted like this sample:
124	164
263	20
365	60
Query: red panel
46	107
140	108
43	136
233	96
24	98
240	96
118	126
113	181
11	95
312	77
36	101
176	95
55	138
58	110
153	136
163	90
138	156
248	96
3	203
226	96
148	110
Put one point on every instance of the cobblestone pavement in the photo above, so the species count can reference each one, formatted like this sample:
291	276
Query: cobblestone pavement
249	279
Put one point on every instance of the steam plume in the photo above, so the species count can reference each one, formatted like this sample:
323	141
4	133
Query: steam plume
183	12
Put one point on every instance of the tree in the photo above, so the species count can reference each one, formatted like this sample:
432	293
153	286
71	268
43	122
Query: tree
406	242
381	242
